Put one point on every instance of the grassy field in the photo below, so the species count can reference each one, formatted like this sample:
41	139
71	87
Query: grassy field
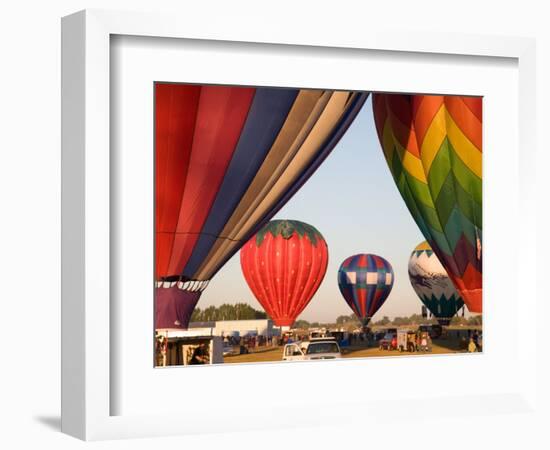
440	346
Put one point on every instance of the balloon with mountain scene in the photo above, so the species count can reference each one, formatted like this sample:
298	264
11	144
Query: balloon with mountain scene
433	148
365	281
433	286
284	265
226	160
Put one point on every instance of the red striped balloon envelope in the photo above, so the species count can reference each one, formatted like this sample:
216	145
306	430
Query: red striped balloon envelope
284	265
227	159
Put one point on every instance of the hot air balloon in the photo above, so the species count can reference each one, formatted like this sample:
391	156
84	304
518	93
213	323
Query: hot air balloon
365	282
432	284
432	145
284	265
227	159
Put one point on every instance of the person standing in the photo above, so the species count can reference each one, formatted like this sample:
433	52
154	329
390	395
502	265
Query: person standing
475	337
424	342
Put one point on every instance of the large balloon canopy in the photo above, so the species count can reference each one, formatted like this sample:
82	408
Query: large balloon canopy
365	281
284	265
227	159
432	145
433	286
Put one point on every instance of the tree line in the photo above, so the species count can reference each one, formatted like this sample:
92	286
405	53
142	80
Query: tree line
238	311
417	319
349	321
243	311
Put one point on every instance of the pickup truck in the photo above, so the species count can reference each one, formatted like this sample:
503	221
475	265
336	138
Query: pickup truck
313	350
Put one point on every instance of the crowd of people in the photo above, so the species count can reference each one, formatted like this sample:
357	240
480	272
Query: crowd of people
417	341
249	343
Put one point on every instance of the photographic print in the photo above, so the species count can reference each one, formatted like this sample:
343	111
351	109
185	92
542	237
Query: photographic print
307	225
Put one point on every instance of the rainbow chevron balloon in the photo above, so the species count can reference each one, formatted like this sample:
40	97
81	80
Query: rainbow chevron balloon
433	147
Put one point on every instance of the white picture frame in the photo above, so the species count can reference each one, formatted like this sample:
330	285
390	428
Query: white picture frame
88	327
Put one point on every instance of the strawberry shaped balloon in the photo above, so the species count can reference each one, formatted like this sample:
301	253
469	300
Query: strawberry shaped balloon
284	265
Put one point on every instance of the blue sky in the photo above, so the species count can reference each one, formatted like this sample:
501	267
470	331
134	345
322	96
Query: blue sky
352	200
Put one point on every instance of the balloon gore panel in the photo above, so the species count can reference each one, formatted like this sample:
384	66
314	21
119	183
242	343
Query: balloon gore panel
433	147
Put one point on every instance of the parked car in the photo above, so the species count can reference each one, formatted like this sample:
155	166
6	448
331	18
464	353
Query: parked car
339	335
228	349
434	330
379	335
312	350
388	342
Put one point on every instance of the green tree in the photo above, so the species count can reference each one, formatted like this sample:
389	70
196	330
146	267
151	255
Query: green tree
459	320
399	321
196	316
209	314
383	321
301	324
475	320
417	319
227	311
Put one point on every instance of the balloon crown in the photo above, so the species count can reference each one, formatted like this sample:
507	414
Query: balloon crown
422	247
286	229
